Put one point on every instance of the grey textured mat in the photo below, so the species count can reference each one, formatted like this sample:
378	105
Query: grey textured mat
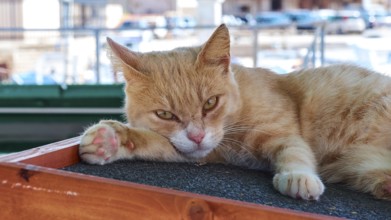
238	184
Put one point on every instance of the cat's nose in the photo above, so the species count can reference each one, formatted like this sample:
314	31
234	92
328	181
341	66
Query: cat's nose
196	137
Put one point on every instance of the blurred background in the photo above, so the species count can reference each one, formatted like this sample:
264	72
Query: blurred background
55	77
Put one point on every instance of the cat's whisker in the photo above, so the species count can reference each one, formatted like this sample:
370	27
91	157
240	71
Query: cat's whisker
240	144
242	156
239	129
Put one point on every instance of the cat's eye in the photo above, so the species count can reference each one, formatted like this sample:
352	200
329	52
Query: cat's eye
210	104
166	115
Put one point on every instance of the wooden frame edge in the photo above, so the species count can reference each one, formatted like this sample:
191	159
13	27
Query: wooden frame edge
56	155
31	187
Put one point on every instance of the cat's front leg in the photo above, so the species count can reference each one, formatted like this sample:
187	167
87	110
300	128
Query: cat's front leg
295	168
110	140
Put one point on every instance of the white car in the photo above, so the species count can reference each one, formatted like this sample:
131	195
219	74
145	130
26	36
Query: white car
346	21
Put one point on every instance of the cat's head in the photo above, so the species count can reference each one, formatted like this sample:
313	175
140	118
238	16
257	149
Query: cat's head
185	94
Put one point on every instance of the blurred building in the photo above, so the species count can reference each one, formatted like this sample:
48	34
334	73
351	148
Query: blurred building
238	7
94	13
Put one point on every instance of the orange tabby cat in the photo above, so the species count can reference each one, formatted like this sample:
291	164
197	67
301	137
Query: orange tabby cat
190	104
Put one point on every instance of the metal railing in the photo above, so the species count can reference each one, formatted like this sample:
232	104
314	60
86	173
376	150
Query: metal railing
317	46
63	38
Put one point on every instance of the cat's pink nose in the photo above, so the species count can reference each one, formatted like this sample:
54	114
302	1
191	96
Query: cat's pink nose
196	137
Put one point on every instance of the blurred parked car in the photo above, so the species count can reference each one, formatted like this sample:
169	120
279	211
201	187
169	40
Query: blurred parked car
273	20
145	26
132	32
232	20
158	23
326	14
384	21
346	21
181	25
297	14
308	21
373	15
247	19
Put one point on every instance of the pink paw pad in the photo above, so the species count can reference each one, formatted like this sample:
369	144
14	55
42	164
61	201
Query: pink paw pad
102	131
130	145
100	152
113	142
97	140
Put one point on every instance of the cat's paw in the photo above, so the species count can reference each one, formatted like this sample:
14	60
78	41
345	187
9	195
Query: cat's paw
100	144
383	190
299	185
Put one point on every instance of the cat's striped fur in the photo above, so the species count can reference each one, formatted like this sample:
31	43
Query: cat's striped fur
329	124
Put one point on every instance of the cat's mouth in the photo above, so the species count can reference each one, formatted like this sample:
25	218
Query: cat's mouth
194	153
193	149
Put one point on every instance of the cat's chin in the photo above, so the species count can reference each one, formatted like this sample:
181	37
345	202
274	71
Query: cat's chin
198	154
184	146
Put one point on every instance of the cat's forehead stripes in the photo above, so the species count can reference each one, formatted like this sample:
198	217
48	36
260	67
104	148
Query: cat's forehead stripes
179	94
176	85
152	62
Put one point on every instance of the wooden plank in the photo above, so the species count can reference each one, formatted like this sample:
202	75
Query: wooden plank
29	191
55	155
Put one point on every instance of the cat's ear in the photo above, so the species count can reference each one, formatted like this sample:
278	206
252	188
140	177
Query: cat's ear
125	60
216	51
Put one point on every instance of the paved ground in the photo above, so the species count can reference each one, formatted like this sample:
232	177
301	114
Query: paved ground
239	184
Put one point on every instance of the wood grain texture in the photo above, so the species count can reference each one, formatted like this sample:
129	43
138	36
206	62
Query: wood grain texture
55	155
33	192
